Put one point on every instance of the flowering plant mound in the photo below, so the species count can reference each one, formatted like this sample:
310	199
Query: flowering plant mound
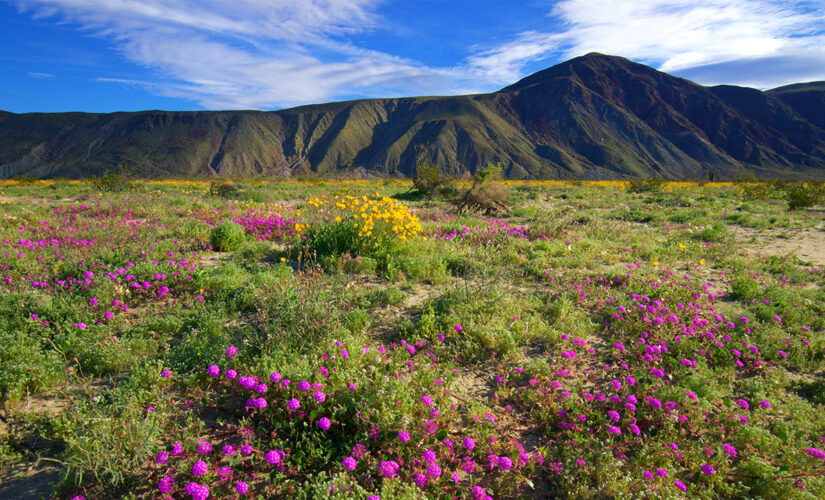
351	225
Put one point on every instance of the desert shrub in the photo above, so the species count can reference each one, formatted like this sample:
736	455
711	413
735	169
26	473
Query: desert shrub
647	185
359	264
487	194
226	237
429	179
803	196
744	289
114	181
223	188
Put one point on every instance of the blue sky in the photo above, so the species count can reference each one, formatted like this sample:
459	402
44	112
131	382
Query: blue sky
110	55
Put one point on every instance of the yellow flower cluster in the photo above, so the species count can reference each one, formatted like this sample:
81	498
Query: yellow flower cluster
375	216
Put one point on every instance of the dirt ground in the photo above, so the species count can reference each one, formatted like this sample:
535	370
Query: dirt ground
808	244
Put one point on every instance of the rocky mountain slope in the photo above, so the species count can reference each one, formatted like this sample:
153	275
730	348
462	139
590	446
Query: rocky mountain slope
595	116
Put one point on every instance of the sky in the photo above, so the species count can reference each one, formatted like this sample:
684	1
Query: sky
127	55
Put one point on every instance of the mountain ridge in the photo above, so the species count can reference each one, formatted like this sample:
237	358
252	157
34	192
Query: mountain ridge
592	117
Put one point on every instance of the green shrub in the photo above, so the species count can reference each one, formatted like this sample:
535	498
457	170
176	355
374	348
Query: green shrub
114	181
649	185
429	179
744	289
803	196
227	237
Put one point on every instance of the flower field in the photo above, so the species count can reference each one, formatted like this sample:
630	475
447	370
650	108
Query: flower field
347	340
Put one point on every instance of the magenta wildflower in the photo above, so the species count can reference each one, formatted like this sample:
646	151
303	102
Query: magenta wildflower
661	473
230	374
324	424
320	396
213	371
166	485
350	464
458	328
241	487
303	386
428	401
764	404
708	470
246	450
293	404
403	436
505	463
225	473
203	447
468	443
273	457
680	485
388	468
434	471
166	373
428	456
199	468
275	377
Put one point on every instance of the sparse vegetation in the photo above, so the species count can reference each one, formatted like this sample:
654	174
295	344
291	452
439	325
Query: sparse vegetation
590	341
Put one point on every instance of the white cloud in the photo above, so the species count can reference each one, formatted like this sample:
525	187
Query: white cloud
505	63
40	76
677	35
248	53
276	53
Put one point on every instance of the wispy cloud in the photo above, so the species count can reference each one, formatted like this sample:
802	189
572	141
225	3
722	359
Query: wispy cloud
40	76
275	53
505	63
249	53
680	36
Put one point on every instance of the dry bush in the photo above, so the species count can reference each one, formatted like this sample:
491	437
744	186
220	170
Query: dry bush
487	195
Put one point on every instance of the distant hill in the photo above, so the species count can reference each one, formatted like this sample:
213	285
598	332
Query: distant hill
593	117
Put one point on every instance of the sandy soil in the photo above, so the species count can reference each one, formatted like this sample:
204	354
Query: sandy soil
808	244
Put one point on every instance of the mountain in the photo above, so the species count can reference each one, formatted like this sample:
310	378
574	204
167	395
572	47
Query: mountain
595	116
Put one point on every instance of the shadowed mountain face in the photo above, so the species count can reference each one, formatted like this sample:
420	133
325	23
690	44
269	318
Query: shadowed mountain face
595	117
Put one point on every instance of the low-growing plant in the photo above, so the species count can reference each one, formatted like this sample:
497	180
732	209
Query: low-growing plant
227	237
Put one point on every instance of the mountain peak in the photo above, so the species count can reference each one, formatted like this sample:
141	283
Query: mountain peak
594	116
581	67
